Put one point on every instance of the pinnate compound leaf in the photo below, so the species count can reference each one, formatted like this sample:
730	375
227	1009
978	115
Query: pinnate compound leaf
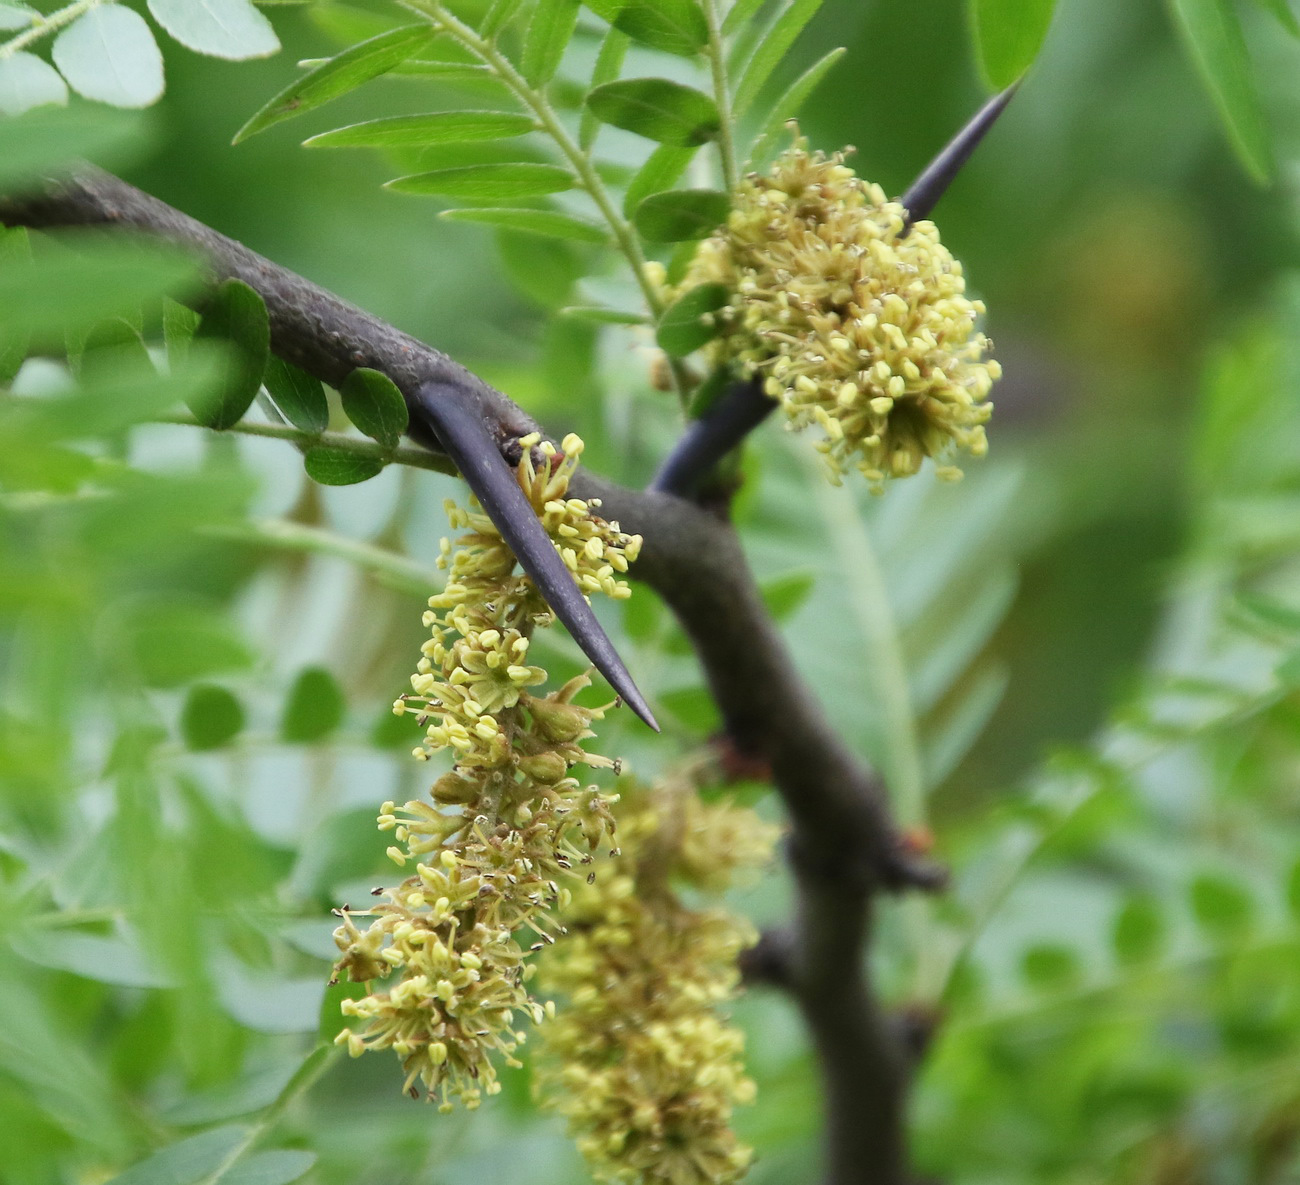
547	223
657	109
186	1161
674	26
1213	35
687	325
681	215
340	74
109	54
549	32
1008	36
298	395
489	182
339	467
375	405
211	718
771	50
27	81
231	29
314	708
417	131
235	314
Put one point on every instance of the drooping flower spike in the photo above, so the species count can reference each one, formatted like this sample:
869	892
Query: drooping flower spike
745	404
486	856
468	443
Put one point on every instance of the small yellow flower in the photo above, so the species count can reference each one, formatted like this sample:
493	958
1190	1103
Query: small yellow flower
857	323
638	1058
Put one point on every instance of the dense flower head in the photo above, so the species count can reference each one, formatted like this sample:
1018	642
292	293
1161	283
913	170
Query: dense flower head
855	319
505	826
638	1056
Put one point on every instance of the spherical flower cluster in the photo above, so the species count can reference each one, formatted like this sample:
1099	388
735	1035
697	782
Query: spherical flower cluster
504	827
855	319
638	1057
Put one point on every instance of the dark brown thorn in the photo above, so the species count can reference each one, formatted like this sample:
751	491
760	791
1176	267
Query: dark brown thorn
930	186
469	444
707	440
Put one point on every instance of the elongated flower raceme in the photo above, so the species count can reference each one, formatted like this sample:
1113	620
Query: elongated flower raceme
505	826
639	1057
858	322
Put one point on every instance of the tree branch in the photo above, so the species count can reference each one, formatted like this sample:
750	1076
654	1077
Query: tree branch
844	847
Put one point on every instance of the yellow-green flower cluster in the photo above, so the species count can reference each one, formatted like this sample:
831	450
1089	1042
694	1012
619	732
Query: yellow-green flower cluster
857	322
505	826
638	1057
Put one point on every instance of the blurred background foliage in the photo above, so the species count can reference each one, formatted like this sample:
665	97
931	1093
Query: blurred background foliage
1080	668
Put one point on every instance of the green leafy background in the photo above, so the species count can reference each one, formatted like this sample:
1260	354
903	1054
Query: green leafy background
1081	665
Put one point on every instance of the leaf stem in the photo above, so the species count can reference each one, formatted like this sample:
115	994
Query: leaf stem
722	96
306	1076
418	458
396	570
44	25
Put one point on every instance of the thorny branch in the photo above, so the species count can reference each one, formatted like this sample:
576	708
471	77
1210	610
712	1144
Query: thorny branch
844	849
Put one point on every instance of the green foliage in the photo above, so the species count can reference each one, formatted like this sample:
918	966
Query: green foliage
1008	36
314	708
342	73
236	316
375	405
184	795
686	326
681	214
1214	39
657	109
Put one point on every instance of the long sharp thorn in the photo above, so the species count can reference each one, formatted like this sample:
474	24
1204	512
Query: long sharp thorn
469	444
929	187
706	441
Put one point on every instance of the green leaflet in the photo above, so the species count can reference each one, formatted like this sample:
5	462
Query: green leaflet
373	403
488	182
657	109
414	131
1213	35
109	54
340	74
1008	35
680	215
771	51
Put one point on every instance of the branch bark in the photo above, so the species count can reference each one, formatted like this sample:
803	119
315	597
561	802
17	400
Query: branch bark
844	848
